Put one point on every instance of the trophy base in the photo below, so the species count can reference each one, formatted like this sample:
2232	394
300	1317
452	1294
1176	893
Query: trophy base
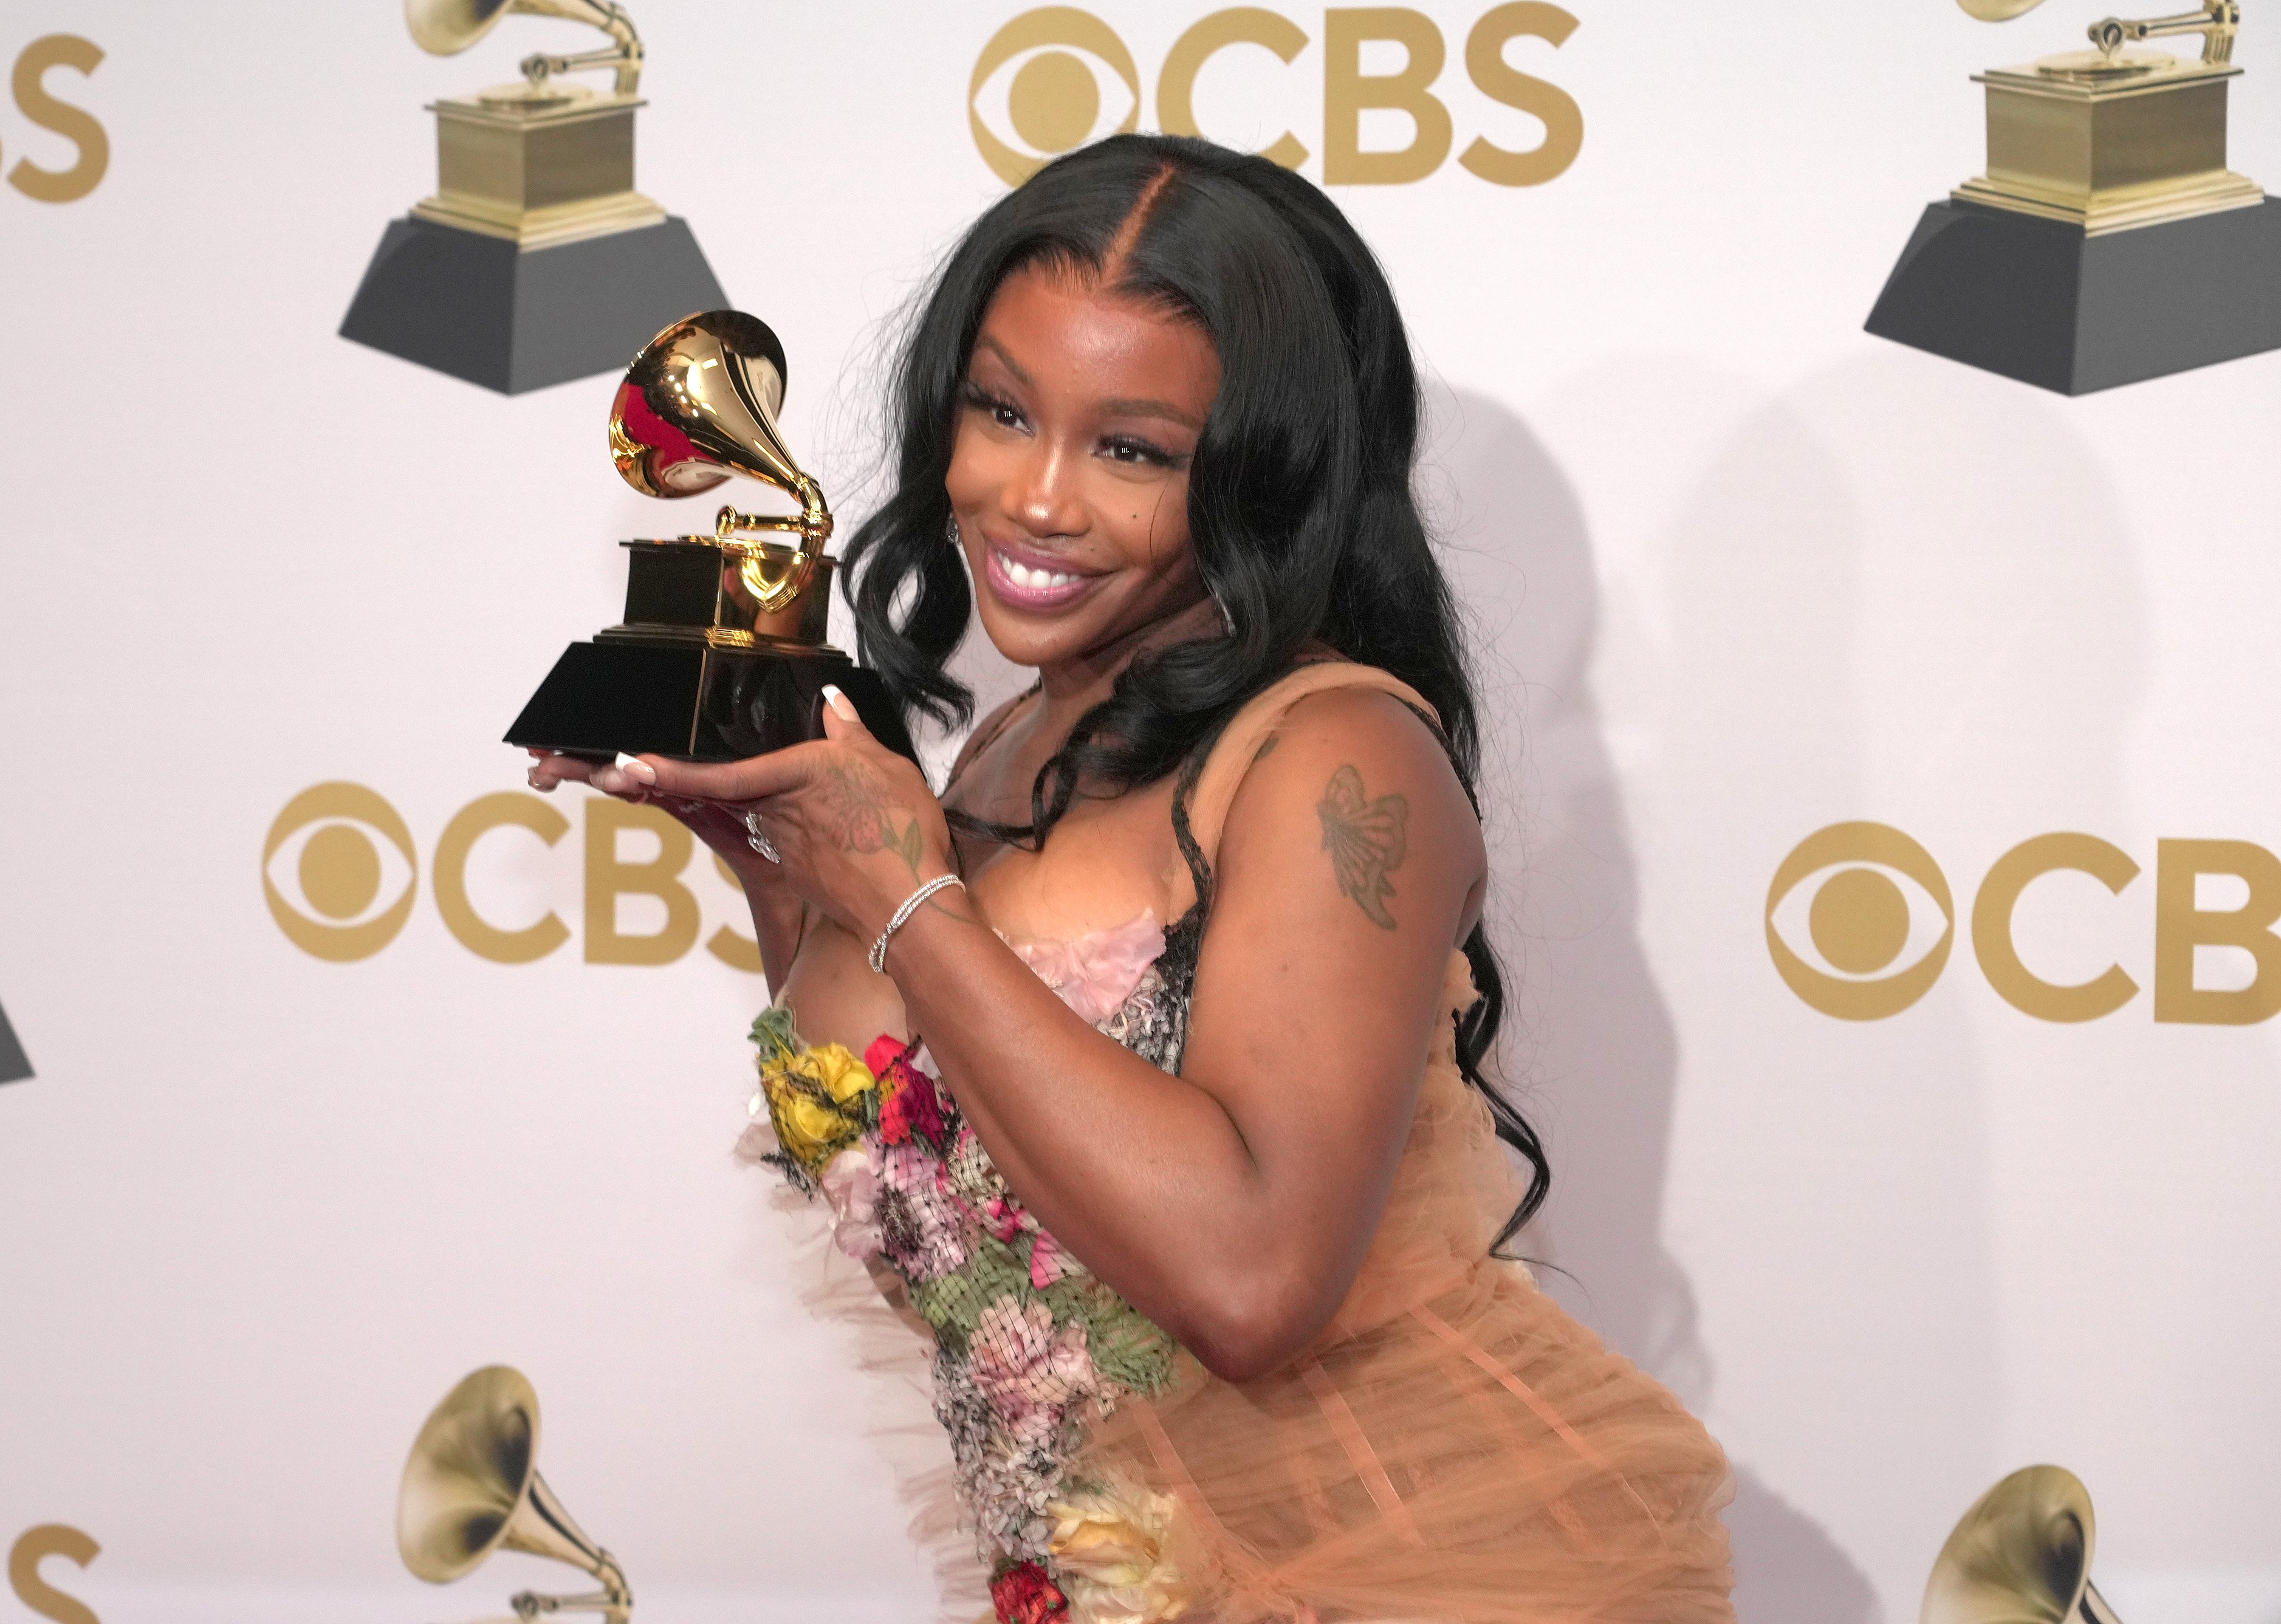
2075	312
478	307
698	703
14	1068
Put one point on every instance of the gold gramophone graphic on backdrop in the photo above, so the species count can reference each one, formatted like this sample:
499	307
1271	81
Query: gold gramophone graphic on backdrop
472	1486
722	654
2021	1555
536	259
2108	241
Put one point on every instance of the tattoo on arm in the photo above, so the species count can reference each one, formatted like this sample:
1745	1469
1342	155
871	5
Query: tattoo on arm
859	818
1367	840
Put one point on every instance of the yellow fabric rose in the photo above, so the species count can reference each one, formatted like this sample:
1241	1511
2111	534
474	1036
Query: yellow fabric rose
834	1066
815	1103
1108	1554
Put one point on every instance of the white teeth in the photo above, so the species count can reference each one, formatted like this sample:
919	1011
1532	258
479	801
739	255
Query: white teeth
1035	580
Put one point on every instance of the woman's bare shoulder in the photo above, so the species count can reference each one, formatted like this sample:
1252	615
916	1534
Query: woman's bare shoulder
1354	772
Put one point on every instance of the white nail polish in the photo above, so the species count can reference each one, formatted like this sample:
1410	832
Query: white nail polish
838	702
635	768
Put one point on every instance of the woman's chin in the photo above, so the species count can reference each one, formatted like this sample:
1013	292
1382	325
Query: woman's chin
1037	640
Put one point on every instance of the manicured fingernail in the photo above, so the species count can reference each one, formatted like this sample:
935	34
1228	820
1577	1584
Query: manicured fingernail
635	768
544	786
838	702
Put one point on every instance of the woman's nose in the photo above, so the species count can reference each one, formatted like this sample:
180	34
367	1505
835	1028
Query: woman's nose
1043	496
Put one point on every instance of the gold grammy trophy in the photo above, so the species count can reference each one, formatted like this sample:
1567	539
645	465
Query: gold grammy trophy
2107	241
472	1486
535	260
722	654
2021	1555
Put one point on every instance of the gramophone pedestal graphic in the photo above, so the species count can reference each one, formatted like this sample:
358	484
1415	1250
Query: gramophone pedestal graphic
722	654
536	260
2108	243
472	1486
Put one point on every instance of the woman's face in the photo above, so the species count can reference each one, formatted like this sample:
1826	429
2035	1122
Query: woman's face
1069	473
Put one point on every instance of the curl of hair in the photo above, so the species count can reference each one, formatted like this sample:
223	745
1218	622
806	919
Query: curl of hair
1300	508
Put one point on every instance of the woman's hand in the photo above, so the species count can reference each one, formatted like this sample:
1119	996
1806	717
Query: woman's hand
854	826
722	828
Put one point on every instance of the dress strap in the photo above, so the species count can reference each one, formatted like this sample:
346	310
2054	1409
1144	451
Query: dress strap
1208	789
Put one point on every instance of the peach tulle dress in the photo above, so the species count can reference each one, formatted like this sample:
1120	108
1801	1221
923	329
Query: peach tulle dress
1454	1446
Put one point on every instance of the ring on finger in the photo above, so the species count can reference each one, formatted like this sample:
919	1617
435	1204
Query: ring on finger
758	840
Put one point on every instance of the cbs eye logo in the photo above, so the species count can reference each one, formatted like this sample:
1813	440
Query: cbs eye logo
1870	913
352	891
1057	77
341	874
1860	923
1040	78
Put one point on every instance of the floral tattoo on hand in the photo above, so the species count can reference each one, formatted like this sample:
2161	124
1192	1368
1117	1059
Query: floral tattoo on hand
860	818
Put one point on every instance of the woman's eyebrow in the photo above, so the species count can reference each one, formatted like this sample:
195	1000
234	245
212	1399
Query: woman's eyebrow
1164	409
999	350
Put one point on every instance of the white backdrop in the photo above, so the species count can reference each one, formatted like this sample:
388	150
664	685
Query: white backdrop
1741	572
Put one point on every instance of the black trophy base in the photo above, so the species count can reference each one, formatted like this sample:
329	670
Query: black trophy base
479	308
14	1067
700	704
2042	301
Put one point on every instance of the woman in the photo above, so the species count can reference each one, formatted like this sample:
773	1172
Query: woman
1169	1122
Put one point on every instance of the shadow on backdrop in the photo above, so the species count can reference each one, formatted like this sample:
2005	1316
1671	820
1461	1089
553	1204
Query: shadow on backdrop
1589	1046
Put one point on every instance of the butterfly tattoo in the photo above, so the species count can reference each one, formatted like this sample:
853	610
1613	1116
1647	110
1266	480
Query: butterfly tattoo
1367	840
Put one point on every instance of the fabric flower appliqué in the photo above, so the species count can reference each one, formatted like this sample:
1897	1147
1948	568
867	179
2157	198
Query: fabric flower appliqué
1108	1551
1024	1595
1031	1347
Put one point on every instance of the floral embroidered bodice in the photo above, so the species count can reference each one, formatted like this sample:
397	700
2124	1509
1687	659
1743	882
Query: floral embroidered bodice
1030	1347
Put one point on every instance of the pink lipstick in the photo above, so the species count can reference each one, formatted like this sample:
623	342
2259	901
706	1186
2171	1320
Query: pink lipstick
1023	578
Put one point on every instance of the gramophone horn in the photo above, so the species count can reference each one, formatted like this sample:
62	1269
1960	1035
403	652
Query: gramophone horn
1999	11
472	1486
2021	1555
699	403
446	28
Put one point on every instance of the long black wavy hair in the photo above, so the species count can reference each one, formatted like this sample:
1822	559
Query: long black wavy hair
1300	508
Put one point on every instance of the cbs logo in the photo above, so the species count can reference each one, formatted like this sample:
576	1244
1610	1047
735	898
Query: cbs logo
1056	78
35	1546
341	874
73	124
1860	921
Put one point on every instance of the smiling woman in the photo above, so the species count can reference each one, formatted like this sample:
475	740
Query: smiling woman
1144	1064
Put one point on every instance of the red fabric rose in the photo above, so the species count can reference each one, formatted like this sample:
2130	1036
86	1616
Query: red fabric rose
1024	1595
909	1105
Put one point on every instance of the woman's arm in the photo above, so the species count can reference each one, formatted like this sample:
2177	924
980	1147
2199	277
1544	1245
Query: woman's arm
1232	1204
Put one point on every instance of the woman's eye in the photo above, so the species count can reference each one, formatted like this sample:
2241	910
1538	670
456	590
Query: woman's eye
1002	411
1140	451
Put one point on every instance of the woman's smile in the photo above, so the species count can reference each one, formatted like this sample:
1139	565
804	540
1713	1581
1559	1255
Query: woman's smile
1032	580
